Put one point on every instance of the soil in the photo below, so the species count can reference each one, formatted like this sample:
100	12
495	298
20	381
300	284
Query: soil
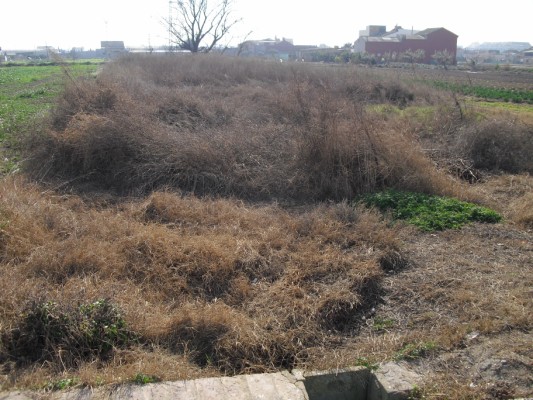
501	365
473	287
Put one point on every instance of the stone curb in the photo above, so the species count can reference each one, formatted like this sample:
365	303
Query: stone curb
392	381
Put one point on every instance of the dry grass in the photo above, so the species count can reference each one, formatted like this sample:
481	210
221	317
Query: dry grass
511	195
226	127
225	260
194	277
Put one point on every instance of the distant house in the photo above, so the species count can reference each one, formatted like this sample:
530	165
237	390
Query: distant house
500	46
113	48
41	53
376	40
278	49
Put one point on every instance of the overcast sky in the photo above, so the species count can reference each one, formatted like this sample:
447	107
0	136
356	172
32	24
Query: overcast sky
26	24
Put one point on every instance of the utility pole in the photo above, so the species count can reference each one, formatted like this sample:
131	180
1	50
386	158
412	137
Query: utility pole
170	26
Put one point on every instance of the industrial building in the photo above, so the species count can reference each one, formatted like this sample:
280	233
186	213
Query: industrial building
378	41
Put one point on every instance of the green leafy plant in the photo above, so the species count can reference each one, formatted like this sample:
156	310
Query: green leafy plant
68	335
99	381
102	325
365	362
143	379
416	393
428	212
487	92
62	384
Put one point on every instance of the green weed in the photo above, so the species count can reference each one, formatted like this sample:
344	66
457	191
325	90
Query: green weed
102	326
9	165
412	351
61	384
365	362
382	324
143	379
523	108
416	393
67	335
429	212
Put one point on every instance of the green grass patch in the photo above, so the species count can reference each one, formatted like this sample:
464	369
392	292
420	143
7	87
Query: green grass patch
514	107
27	90
428	212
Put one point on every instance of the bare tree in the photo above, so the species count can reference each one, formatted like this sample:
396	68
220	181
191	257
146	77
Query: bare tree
413	56
198	25
443	58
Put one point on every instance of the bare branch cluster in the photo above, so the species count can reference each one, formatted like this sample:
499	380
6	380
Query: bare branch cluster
198	25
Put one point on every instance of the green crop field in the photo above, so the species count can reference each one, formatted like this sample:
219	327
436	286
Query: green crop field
487	92
27	91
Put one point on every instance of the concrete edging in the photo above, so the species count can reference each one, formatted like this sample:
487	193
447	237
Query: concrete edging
392	381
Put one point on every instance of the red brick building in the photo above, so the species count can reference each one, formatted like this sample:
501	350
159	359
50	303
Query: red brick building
376	40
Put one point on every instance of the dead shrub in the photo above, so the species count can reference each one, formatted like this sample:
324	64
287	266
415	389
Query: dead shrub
394	93
339	158
393	261
346	151
87	97
91	149
339	311
215	335
499	145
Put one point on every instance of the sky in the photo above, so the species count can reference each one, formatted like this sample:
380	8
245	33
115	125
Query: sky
64	24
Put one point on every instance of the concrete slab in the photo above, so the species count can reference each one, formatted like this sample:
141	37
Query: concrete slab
342	384
17	396
392	381
236	387
275	386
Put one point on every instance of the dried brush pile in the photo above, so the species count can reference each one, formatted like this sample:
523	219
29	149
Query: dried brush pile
502	144
229	127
